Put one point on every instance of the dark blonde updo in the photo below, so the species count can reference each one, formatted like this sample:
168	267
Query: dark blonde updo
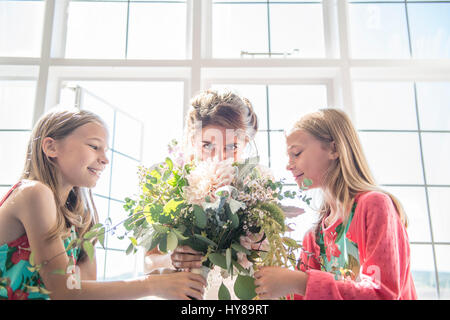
220	108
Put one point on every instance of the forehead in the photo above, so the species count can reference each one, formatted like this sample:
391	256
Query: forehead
218	132
91	130
298	138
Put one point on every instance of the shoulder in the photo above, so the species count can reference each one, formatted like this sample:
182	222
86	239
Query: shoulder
372	199
375	206
37	202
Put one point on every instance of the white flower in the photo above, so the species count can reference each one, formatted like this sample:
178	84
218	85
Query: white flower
206	178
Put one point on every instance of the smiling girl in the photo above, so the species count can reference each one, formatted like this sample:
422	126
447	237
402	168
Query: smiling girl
359	248
51	203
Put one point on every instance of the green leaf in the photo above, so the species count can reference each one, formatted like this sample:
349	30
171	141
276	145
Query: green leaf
236	246
163	243
89	248
290	242
224	294
101	237
179	234
169	163
166	175
172	241
228	258
218	259
89	235
171	206
307	182
133	241
130	249
206	240
200	217
160	228
244	287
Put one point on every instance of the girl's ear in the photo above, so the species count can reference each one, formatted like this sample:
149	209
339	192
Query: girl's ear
49	147
333	152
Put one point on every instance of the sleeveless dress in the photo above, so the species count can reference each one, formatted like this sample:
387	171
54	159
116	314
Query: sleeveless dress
15	266
338	254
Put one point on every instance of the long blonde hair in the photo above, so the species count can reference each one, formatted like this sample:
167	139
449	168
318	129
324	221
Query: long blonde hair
79	209
349	174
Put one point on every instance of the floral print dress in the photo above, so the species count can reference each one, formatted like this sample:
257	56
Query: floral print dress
16	271
338	254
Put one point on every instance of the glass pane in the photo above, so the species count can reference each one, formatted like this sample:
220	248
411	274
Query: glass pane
117	214
422	269
279	158
21	24
17	104
414	203
378	31
128	135
443	266
150	25
100	259
440	209
124	180
430	29
380	105
297	27
96	30
394	158
256	94
119	266
262	145
239	27
13	148
433	99
102	205
293	100
436	154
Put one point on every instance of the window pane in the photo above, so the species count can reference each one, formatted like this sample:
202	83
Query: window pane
414	203
380	105
239	27
21	24
430	29
394	158
117	214
96	30
297	26
150	27
422	269
13	148
440	209
433	99
294	100
279	158
378	31
16	104
119	266
102	205
262	145
124	180
128	135
443	266
436	154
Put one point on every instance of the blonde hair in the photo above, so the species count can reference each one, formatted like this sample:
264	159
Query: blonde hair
220	108
349	174
77	210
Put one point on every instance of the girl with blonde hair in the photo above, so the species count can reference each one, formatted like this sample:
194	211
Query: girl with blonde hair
50	205
359	248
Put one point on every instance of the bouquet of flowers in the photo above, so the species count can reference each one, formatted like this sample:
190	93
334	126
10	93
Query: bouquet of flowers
228	211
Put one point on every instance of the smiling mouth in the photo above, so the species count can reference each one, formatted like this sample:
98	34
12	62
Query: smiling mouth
296	177
95	171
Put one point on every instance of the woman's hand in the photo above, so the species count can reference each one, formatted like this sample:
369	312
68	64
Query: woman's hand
177	286
275	282
184	257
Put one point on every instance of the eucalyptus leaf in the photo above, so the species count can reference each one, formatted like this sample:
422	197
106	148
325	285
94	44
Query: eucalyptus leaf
172	241
244	287
206	240
200	217
89	248
224	293
218	259
236	246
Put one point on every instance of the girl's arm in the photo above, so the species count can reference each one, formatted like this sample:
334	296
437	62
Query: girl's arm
88	267
39	216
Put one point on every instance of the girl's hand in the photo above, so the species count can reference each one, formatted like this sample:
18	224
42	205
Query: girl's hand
177	286
275	282
184	257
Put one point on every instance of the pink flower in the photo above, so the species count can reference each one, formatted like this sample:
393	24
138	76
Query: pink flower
243	261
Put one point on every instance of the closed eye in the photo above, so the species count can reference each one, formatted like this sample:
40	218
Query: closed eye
93	147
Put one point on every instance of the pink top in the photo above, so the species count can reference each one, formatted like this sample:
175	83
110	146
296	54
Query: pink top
384	255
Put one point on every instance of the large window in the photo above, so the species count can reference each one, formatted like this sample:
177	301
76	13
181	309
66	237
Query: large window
137	63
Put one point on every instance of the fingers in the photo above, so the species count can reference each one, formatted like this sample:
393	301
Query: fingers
186	249
194	294
197	277
186	265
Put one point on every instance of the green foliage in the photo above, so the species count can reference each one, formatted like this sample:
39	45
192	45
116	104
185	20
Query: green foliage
244	287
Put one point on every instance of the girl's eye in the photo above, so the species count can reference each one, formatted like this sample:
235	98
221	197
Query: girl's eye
297	154
232	147
208	146
93	147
